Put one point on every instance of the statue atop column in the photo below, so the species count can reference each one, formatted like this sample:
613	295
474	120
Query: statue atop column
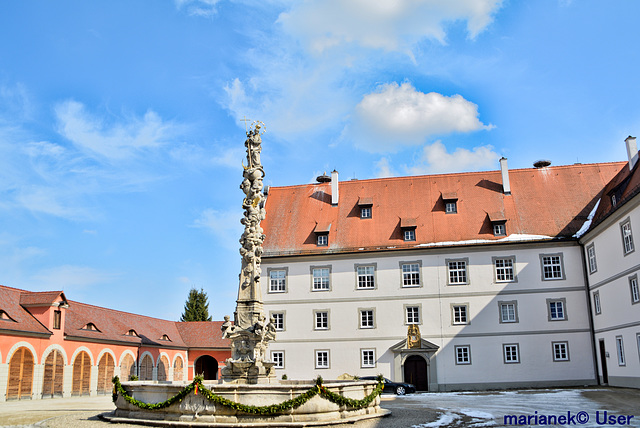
251	331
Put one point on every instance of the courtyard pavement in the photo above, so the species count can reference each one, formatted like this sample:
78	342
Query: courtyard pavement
581	407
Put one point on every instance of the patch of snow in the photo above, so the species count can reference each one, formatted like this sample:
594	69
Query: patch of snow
476	414
587	223
443	420
516	237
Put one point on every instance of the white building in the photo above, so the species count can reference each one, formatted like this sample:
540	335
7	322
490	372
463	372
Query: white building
485	263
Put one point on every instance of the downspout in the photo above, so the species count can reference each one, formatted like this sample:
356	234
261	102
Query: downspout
591	327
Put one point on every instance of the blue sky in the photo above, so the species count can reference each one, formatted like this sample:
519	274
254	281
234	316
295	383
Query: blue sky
121	137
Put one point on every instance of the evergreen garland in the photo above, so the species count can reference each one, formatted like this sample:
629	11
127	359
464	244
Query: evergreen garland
272	409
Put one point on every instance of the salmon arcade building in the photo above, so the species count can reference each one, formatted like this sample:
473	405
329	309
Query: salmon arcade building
493	279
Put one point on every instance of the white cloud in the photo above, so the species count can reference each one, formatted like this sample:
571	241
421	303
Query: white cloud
392	25
384	169
436	159
224	225
115	142
69	276
218	155
399	115
204	8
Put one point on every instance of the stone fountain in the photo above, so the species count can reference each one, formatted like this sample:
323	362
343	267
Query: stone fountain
248	385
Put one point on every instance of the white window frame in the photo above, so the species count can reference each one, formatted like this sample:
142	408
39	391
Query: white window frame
597	305
499	229
320	281
451	207
412	314
321	319
409	234
278	358
367	318
278	318
560	351
366	274
322	240
462	354
365	212
322	357
620	350
511	353
553	305
591	257
457	271
277	284
552	266
504	269
627	237
501	312
411	275
634	288
459	313
367	358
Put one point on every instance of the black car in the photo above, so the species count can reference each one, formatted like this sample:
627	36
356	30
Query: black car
399	388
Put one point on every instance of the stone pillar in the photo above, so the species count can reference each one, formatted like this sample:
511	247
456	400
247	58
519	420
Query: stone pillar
4	380
38	377
67	383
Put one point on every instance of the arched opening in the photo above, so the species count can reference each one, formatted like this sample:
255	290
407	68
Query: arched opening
207	366
146	368
105	373
53	374
20	374
178	370
415	372
81	374
127	368
163	368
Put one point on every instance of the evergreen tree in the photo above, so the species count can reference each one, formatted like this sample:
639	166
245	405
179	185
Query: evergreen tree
196	308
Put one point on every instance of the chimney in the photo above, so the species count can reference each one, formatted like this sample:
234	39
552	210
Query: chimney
632	151
334	187
506	187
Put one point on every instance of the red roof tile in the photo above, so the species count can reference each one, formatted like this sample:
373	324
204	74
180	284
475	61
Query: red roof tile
553	202
39	298
625	185
23	321
203	334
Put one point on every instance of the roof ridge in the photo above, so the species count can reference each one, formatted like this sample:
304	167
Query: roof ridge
119	311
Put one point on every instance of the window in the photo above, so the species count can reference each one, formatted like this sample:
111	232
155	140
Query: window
499	229
552	266
278	358
277	280
463	354
451	207
367	358
460	314
613	200
557	309
322	359
320	278
410	274
165	337
57	319
366	278
409	234
457	272
322	240
504	269
5	316
365	212
132	332
367	318
278	320
508	311
591	256
322	320
413	314
90	326
620	349
635	292
596	302
560	351
511	354
627	237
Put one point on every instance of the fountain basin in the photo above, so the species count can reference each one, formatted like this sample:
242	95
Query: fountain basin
197	410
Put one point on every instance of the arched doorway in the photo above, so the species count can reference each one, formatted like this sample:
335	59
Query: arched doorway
415	372
105	373
146	368
127	367
53	374
20	374
177	369
81	374
207	366
163	368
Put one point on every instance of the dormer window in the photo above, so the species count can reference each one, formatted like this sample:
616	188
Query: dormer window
322	234
613	200
365	205
132	332
450	202
90	326
165	337
5	316
498	221
57	319
499	229
408	227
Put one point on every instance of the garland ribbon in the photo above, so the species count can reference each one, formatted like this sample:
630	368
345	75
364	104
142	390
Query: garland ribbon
197	385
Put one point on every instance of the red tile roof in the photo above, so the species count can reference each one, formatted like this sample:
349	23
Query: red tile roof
23	321
40	298
625	185
203	334
552	202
